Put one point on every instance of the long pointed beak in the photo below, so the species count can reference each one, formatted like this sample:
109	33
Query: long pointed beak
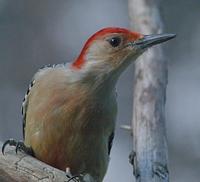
151	40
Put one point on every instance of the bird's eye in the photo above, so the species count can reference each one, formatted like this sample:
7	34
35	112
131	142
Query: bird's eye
115	41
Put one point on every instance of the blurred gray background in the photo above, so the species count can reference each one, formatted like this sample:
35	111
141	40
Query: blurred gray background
34	33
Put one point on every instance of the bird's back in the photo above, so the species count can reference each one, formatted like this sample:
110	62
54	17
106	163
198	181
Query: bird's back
66	124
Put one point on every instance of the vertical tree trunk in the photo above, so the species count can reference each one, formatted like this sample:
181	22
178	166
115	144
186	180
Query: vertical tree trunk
149	135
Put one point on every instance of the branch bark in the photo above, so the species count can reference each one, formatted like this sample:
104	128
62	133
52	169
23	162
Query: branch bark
21	167
149	135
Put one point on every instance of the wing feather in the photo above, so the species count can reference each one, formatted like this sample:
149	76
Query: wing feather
110	142
26	97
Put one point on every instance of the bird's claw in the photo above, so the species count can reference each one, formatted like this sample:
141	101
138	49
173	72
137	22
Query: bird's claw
20	146
10	142
81	178
76	178
73	178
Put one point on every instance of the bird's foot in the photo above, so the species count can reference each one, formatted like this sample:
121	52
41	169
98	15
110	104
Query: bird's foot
78	178
19	146
73	178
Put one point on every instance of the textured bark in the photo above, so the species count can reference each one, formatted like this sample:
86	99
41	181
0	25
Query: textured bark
149	135
21	168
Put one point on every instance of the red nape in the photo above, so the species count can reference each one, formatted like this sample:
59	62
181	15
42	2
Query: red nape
79	62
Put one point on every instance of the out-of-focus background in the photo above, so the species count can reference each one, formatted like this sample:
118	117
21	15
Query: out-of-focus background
34	33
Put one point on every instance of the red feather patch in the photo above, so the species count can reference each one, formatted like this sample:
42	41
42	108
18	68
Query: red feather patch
78	63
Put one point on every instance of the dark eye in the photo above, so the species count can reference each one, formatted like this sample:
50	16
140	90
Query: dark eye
115	41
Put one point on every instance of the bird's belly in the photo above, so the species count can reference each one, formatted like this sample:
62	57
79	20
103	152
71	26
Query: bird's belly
70	135
82	148
81	153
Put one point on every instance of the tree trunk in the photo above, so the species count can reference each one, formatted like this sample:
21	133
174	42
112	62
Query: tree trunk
149	135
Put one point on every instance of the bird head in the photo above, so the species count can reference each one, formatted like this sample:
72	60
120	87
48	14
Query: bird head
110	50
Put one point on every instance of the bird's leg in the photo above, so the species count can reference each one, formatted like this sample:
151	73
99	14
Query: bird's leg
20	146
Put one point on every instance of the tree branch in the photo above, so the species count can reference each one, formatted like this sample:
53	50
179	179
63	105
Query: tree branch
21	167
150	156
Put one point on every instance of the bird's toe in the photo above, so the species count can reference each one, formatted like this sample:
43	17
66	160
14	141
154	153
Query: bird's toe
19	146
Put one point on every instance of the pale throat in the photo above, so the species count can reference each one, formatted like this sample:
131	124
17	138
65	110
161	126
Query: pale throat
100	73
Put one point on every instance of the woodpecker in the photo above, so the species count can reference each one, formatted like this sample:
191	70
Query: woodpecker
69	110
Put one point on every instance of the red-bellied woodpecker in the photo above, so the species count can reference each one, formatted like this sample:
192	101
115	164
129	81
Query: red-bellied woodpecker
70	110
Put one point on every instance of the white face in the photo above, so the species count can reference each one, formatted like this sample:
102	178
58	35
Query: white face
112	51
